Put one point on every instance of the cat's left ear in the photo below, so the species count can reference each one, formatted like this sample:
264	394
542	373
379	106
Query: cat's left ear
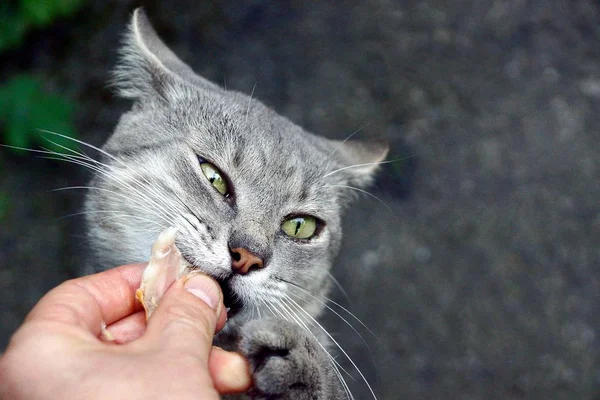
148	70
360	160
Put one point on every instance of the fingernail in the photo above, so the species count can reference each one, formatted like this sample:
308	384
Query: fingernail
205	288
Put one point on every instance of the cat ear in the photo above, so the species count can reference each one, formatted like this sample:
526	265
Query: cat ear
360	160
148	69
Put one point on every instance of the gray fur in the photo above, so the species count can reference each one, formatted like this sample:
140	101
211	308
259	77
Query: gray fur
151	179
287	363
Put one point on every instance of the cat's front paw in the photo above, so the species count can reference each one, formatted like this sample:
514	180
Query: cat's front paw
286	362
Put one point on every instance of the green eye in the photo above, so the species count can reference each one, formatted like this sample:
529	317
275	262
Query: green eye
300	227
214	176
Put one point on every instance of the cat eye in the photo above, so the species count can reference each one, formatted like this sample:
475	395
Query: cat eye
215	177
300	227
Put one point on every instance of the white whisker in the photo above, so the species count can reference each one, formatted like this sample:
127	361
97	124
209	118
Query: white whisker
249	102
157	195
128	198
114	213
337	304
327	162
339	286
130	216
348	138
337	344
336	365
272	309
336	313
370	195
159	211
364	165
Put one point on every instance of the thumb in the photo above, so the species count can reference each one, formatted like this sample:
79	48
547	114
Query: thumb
189	315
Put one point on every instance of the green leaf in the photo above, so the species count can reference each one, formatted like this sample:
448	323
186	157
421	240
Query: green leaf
44	12
68	7
27	112
12	26
18	17
38	12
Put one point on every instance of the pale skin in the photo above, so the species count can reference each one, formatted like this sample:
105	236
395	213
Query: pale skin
60	352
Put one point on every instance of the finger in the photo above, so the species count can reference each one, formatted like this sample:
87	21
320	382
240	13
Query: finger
220	310
229	371
133	327
186	318
88	301
129	328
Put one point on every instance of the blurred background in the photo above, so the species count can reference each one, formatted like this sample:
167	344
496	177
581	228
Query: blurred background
478	269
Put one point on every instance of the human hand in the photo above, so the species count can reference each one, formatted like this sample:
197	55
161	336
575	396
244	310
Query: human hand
58	352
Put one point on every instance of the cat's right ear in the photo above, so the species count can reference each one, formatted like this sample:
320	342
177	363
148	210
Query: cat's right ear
148	70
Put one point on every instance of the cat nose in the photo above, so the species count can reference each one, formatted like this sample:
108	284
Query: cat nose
243	261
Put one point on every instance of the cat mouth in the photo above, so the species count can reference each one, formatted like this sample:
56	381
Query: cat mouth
232	301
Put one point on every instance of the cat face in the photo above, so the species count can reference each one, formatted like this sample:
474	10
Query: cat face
236	180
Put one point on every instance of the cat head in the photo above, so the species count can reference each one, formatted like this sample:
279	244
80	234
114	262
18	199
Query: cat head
256	199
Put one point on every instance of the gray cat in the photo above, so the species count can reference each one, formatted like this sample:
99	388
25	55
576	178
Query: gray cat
256	199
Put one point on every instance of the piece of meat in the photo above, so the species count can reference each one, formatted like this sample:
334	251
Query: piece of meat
165	266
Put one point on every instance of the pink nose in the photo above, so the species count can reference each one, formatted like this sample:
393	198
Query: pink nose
243	260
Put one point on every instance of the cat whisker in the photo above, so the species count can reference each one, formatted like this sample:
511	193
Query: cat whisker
97	166
132	199
366	165
339	316
272	309
338	285
296	286
325	165
77	152
188	221
81	142
249	102
363	126
255	307
297	319
335	342
370	195
302	322
116	216
114	213
257	312
293	285
156	194
63	157
159	211
336	365
43	151
183	203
